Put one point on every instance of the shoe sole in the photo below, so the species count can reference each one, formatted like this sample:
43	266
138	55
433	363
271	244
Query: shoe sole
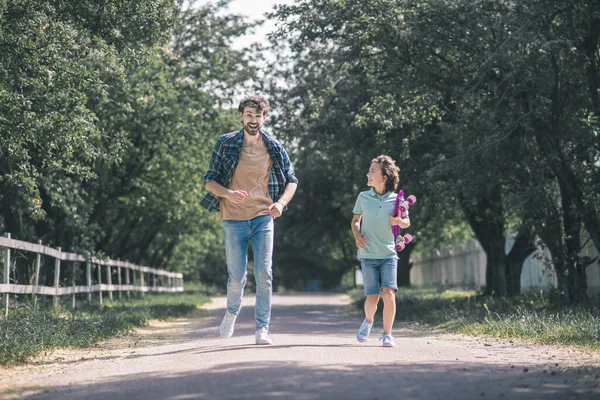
261	342
362	340
225	335
389	345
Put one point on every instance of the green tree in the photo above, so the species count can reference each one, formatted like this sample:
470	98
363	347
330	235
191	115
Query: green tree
148	205
451	80
154	110
56	58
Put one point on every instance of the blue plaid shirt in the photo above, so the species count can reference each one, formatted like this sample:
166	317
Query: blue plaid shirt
225	158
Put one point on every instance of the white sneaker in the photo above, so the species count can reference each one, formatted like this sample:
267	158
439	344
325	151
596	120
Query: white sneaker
226	328
387	340
262	336
363	332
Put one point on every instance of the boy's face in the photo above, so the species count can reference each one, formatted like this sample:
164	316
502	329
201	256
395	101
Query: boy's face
375	176
252	120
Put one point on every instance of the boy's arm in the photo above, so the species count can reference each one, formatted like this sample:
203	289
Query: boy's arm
361	240
401	222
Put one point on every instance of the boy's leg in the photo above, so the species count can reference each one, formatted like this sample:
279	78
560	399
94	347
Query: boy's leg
389	309
262	247
389	273
370	272
371	307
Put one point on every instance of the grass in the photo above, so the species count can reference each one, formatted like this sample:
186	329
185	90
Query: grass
27	332
536	316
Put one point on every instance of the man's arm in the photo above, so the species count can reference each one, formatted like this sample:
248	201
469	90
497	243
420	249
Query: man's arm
290	176
214	167
219	190
288	193
276	209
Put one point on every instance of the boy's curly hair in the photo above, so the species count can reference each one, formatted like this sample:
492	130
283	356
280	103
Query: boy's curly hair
389	170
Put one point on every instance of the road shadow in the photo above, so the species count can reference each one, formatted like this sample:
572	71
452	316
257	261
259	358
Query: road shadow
293	380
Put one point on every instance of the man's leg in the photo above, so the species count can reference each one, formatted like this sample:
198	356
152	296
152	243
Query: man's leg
262	247
236	234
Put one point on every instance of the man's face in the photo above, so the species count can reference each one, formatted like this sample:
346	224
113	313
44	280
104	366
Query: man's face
252	120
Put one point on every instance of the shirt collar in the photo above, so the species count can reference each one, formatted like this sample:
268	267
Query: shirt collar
240	139
374	193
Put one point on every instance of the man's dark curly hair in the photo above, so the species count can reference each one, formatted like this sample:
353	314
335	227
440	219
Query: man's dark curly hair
260	103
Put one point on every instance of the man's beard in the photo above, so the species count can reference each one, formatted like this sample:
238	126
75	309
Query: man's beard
251	131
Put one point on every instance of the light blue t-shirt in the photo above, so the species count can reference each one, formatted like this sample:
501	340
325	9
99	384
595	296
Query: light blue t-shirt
376	211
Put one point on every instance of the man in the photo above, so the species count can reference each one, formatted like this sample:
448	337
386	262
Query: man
250	181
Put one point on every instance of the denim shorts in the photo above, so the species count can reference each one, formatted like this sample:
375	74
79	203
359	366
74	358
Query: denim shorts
379	273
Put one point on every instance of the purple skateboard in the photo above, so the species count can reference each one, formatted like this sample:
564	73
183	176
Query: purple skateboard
401	207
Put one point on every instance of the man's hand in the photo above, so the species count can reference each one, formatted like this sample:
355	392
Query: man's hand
237	196
276	209
361	241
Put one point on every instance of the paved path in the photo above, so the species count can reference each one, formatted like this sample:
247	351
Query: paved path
315	356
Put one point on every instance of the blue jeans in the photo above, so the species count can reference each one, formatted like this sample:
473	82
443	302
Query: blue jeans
379	273
259	232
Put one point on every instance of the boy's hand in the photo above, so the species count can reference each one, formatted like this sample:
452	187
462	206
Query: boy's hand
361	241
399	221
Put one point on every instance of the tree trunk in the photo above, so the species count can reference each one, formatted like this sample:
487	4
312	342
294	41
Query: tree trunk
561	234
523	247
485	216
569	184
576	278
404	265
566	237
495	273
577	282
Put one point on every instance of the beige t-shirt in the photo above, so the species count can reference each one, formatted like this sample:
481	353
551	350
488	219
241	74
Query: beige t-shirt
251	175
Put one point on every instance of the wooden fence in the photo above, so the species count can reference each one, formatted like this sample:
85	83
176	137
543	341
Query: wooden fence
465	265
129	277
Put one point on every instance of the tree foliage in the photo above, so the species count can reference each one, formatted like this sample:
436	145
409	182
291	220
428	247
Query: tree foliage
108	118
491	107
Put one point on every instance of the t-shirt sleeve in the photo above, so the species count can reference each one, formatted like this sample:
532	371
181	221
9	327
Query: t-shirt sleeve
358	207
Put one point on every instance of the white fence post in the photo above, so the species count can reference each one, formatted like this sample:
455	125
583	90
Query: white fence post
142	282
127	280
100	283
6	275
88	279
38	264
109	281
56	279
119	278
73	272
